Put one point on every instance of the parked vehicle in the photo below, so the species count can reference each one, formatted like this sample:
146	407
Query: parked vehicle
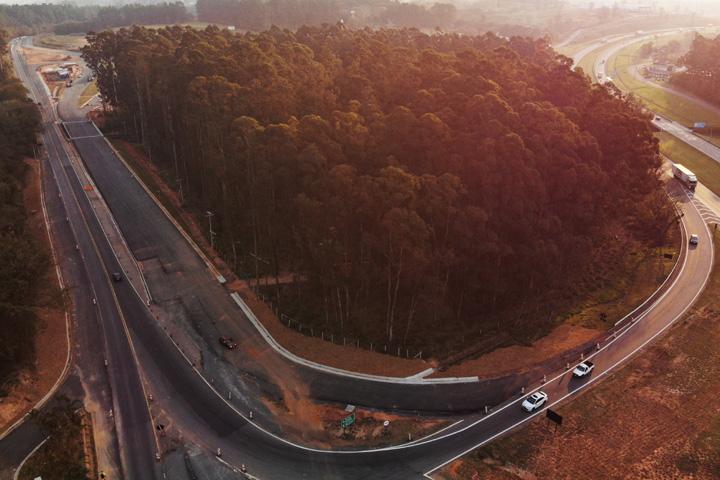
584	369
534	401
684	174
228	343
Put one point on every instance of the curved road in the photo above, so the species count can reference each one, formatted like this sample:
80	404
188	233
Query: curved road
212	422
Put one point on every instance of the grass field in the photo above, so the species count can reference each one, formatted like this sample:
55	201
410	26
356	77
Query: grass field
667	104
89	92
705	168
61	42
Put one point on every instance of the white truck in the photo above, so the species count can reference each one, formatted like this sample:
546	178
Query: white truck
683	174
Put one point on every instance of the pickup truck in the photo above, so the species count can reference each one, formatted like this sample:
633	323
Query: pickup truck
583	369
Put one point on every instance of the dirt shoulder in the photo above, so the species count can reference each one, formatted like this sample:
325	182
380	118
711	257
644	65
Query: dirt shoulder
656	418
50	341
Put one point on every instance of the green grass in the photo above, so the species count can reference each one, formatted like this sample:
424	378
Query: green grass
705	168
659	101
89	92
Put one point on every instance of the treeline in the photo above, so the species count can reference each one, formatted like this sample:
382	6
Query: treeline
256	15
427	188
31	18
703	69
133	14
64	19
22	261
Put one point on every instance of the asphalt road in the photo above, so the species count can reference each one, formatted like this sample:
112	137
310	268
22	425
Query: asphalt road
133	426
215	423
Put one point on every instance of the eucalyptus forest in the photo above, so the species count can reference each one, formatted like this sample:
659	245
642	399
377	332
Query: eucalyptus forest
415	184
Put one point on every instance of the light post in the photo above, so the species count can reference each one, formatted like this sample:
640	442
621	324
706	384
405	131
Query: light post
209	215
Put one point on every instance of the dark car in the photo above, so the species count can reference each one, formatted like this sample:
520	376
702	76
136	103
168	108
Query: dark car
228	343
117	277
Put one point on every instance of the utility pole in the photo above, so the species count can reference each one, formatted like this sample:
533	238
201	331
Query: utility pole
209	215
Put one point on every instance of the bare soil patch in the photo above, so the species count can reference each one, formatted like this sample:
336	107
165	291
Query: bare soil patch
35	56
51	343
319	425
508	359
657	418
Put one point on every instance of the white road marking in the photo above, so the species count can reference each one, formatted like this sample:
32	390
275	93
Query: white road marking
602	374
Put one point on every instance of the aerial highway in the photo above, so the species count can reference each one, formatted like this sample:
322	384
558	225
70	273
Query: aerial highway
104	320
212	413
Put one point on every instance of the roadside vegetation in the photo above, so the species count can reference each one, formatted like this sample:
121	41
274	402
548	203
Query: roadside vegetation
62	457
706	169
655	418
703	70
23	260
89	92
418	184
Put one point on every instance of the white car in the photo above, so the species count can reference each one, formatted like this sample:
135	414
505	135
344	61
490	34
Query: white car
583	369
694	239
534	401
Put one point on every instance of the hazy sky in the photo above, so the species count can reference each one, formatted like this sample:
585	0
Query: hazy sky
699	6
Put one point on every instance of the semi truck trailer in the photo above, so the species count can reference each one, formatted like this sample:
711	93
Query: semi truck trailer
683	174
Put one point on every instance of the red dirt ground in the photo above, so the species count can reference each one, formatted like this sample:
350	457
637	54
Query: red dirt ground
657	418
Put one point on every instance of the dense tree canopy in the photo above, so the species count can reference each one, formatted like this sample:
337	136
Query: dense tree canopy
418	183
132	14
28	18
703	69
20	260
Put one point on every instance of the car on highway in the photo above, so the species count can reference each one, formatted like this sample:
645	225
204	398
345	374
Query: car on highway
228	343
117	277
534	401
694	239
583	369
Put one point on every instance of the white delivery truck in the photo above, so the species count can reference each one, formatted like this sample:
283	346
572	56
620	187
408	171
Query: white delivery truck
685	176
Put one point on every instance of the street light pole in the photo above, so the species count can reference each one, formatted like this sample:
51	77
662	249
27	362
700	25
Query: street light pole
209	215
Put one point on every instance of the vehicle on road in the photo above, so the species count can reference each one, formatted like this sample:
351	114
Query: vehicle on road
117	276
694	239
684	174
534	401
583	369
228	343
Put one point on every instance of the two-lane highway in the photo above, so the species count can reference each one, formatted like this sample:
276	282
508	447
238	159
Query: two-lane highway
133	425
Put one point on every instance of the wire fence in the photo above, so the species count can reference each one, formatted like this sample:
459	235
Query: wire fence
401	351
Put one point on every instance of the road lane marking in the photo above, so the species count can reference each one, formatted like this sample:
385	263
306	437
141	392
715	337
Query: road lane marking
603	373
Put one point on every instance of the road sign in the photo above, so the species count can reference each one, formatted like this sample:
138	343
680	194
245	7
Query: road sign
347	421
554	416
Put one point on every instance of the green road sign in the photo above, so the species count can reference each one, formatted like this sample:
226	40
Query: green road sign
347	421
